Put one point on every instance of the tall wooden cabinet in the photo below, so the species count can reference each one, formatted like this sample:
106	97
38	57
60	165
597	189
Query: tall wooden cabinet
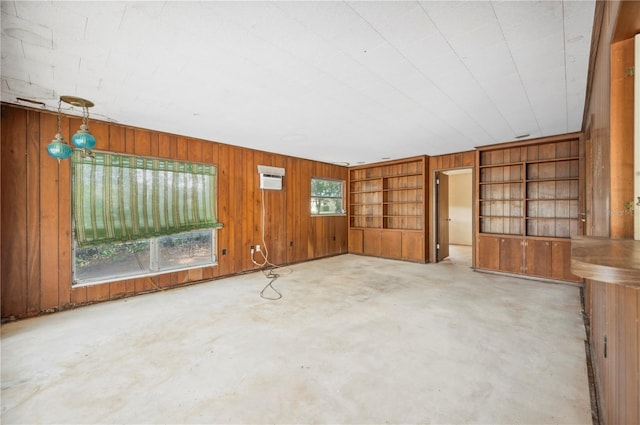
387	209
529	205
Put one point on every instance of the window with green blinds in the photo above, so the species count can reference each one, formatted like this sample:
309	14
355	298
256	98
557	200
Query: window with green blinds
125	198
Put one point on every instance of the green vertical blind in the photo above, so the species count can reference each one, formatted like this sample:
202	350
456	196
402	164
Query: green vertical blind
124	198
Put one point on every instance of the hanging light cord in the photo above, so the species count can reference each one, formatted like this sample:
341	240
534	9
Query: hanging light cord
274	271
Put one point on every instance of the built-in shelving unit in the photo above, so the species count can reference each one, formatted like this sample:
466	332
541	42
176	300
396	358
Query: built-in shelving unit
529	205
387	209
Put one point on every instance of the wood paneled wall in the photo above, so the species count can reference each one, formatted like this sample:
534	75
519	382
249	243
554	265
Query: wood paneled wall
35	242
622	125
452	161
612	309
615	315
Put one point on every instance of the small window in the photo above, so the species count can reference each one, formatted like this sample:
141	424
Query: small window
327	197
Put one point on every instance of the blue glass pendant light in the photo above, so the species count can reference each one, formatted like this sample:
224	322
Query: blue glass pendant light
83	139
58	148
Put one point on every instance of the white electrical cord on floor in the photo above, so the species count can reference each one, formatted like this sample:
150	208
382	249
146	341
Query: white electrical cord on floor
270	273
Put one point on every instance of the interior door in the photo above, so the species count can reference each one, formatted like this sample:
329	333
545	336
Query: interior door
442	219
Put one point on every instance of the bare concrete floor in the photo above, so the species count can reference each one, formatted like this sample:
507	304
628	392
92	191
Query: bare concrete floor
354	340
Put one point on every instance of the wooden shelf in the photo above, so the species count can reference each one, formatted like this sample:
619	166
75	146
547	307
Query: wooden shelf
539	161
501	182
529	192
389	197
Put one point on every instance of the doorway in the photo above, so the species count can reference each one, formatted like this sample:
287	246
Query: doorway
454	215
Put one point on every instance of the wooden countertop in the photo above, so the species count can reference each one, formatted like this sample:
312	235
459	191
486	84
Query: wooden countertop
606	260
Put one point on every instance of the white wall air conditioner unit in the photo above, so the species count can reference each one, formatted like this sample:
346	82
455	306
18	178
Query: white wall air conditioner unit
270	177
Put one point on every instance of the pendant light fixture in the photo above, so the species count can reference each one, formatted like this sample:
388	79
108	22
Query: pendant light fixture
58	148
82	140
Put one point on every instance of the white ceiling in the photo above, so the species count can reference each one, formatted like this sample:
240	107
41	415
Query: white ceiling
332	81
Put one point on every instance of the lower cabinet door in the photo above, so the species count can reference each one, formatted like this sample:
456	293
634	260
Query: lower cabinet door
561	261
413	246
538	258
488	253
372	242
392	244
511	255
355	241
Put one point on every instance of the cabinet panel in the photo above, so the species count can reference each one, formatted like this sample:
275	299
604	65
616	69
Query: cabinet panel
413	246
391	244
355	241
511	255
538	257
372	242
561	261
488	253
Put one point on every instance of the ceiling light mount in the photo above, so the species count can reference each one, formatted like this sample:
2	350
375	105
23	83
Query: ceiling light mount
77	101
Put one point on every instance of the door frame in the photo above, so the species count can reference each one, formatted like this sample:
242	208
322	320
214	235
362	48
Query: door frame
433	224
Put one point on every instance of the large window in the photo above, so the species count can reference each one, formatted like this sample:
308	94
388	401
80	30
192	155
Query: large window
135	216
327	196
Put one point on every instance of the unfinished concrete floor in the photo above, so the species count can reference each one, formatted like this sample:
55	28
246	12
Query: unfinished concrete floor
354	340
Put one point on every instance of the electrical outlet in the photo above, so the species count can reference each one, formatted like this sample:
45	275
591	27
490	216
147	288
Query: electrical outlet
291	242
257	248
224	251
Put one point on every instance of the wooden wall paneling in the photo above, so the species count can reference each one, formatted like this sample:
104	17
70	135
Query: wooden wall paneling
276	211
609	387
164	145
224	243
292	207
240	210
629	377
210	156
194	154
597	322
282	242
303	215
34	151
49	170
65	252
251	209
597	118
14	214
154	138
342	237
622	127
